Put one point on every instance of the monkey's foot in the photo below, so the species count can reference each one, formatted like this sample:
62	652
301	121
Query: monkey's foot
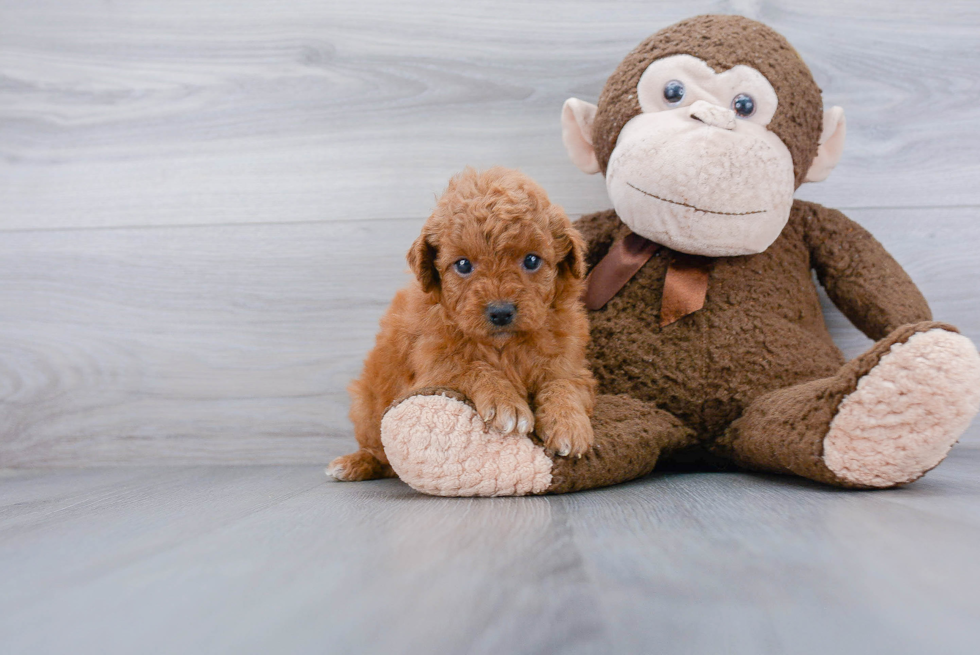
907	412
439	445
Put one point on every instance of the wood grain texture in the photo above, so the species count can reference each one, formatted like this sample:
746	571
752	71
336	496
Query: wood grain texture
210	343
204	206
277	559
189	112
235	343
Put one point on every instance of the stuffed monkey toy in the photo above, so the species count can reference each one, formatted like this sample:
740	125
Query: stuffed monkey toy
707	337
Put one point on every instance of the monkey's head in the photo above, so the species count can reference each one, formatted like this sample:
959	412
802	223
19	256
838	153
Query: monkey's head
704	132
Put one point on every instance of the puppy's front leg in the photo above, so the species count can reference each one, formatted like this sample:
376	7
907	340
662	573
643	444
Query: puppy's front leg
501	406
498	402
563	409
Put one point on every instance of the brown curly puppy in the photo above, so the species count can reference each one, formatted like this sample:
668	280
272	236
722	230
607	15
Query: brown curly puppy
494	314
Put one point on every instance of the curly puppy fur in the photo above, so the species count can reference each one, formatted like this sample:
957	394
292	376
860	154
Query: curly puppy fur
530	374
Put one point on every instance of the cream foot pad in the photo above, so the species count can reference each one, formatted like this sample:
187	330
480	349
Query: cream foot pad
907	412
440	446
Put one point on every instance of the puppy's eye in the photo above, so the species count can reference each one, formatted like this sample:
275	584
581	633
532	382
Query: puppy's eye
532	263
463	267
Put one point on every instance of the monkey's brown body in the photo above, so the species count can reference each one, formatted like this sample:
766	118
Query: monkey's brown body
761	327
703	134
761	330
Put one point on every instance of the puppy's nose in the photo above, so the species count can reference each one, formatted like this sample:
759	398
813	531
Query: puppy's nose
501	313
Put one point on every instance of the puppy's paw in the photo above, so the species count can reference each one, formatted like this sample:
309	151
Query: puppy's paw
566	432
508	414
358	466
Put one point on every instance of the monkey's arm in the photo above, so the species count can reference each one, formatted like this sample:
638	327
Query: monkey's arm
599	231
862	279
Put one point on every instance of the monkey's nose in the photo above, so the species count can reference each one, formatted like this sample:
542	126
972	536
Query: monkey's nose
713	115
501	313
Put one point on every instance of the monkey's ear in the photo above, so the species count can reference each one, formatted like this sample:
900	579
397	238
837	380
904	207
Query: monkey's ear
576	132
422	258
831	145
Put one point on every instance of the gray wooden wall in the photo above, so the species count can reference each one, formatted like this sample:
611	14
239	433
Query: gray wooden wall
205	204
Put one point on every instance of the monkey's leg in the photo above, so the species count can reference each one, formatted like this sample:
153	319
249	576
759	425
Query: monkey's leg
437	444
884	420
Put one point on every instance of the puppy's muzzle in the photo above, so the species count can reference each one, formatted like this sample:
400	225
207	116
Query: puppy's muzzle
501	314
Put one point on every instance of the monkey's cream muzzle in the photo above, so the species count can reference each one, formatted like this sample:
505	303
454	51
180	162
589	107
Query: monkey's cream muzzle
700	181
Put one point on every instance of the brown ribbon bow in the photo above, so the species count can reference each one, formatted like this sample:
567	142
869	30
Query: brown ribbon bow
685	285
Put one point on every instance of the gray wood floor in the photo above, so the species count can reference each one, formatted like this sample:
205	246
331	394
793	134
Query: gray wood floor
275	559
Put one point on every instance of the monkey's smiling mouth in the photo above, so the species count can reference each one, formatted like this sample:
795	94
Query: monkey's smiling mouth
684	204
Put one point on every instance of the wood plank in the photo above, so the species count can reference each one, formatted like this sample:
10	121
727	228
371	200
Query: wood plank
234	344
325	560
277	559
205	342
144	113
733	565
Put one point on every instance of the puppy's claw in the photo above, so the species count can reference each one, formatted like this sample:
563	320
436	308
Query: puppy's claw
504	414
565	434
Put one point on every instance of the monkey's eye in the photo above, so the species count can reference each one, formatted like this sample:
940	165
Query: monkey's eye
463	267
532	263
673	92
743	105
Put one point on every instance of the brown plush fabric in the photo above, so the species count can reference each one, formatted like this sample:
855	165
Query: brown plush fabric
761	330
783	431
431	391
877	295
631	435
722	42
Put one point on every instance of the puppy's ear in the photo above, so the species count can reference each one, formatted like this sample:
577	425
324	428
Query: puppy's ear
422	258
569	245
